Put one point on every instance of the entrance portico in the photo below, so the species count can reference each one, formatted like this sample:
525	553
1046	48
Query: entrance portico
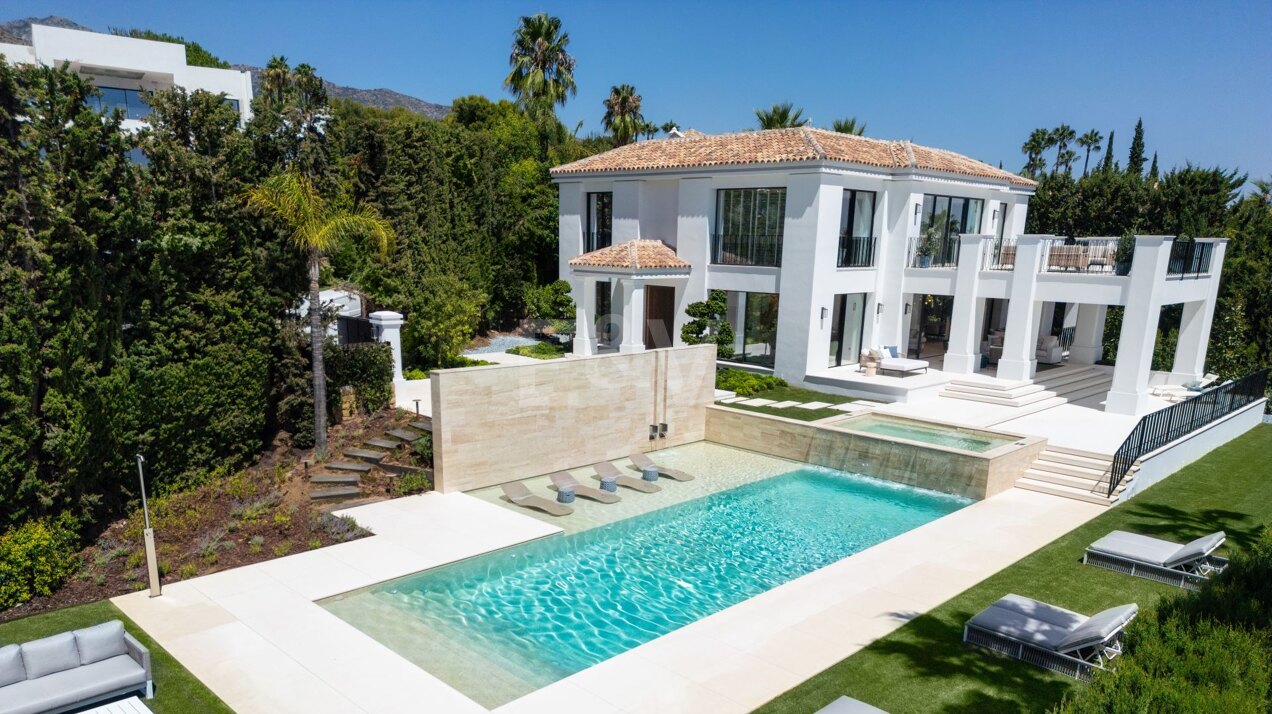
645	283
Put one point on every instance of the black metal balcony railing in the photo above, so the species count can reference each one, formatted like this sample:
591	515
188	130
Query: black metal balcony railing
1189	257
595	240
857	251
933	253
758	250
1178	420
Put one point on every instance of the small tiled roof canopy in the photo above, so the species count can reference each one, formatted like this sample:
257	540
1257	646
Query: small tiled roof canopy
639	254
784	146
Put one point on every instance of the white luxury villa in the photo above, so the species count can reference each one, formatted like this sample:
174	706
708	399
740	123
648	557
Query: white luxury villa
829	244
124	67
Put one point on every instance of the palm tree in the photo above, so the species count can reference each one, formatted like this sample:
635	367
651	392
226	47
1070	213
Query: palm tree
622	114
1061	136
275	79
781	116
1033	149
849	126
542	74
316	228
1091	142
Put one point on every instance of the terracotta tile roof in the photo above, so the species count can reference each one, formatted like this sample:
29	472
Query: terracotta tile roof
639	254
783	146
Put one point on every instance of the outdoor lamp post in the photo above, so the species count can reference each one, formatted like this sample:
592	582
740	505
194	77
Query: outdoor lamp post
152	563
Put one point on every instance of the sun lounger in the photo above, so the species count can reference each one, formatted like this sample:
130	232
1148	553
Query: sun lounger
606	470
642	462
520	495
1184	566
1050	637
565	482
848	705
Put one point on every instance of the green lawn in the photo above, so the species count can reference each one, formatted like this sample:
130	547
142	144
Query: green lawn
176	690
924	667
796	394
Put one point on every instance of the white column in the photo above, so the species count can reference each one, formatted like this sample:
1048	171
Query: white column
1088	334
633	315
1195	324
1129	393
963	356
386	326
1023	314
584	316
1046	317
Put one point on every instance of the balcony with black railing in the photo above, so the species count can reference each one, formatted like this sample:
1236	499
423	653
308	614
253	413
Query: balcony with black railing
760	250
930	252
857	251
1190	258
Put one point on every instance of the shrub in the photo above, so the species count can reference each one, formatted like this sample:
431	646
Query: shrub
341	528
746	384
368	368
442	319
539	350
412	483
35	559
423	449
710	324
462	361
414	374
549	302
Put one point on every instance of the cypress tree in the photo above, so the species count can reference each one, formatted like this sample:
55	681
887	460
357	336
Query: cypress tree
1152	170
1135	161
1107	165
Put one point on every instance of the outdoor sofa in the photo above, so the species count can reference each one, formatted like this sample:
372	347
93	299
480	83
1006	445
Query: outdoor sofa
1184	566
69	670
1050	637
890	361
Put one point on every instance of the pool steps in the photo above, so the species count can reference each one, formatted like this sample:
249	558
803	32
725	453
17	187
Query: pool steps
1073	473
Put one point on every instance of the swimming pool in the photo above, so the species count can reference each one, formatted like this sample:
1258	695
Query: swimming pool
501	625
938	434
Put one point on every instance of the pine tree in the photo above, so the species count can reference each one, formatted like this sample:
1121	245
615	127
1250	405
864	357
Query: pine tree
1135	160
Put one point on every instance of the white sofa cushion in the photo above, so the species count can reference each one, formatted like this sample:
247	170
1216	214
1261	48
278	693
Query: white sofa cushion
72	686
11	669
903	364
100	642
50	654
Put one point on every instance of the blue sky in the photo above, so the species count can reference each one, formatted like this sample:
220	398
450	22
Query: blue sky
971	77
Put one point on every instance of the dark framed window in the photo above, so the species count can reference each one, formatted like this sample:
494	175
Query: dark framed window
749	226
944	219
856	229
131	102
600	221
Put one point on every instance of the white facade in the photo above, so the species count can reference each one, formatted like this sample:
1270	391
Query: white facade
126	64
984	296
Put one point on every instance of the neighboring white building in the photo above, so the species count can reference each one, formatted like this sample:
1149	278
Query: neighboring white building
828	244
123	66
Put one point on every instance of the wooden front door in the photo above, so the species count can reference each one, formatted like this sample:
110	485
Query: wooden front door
660	315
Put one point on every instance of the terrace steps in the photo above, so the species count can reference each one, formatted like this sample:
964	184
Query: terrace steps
341	480
389	444
1075	474
405	435
1065	384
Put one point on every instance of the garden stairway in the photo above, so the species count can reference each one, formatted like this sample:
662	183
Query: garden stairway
1074	473
341	478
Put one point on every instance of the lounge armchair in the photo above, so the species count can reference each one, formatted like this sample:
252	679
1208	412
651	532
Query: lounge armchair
904	365
66	671
1184	566
1048	350
642	462
1180	392
520	495
605	470
565	482
1050	637
848	705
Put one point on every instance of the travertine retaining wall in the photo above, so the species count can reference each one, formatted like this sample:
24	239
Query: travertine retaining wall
502	423
940	469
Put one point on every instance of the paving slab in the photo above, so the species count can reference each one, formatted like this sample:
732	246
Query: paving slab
757	402
815	405
734	400
784	405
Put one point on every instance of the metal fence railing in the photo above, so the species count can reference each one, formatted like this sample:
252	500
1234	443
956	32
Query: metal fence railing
1083	255
746	249
1166	425
857	251
1190	257
933	253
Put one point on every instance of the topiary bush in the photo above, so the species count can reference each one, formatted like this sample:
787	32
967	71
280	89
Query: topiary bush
710	324
35	559
746	384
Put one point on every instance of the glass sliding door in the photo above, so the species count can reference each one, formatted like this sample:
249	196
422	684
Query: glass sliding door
944	219
600	221
847	320
856	230
754	320
749	225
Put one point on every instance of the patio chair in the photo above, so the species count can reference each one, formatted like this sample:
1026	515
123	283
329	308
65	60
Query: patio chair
1184	566
1050	637
642	462
848	705
606	470
565	482
520	495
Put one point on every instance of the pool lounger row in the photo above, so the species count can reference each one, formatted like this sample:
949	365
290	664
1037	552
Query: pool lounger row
1050	637
563	481
1185	566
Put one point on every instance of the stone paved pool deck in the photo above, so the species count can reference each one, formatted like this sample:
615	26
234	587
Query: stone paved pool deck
256	637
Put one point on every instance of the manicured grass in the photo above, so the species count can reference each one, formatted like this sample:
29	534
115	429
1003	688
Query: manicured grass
539	350
176	690
924	667
796	394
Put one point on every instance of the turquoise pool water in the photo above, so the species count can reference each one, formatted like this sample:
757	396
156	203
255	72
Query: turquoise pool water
940	435
509	622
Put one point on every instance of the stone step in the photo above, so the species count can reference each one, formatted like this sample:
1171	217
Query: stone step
334	492
991	390
344	479
366	455
1084	472
1056	382
389	444
422	424
404	435
1084	385
1067	480
348	466
1056	489
1026	400
1102	463
1095	455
